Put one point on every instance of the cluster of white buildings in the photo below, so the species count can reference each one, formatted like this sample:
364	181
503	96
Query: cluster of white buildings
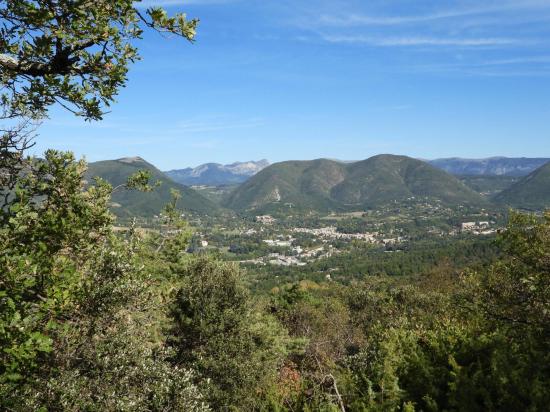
282	260
331	233
477	228
298	258
265	219
278	242
301	256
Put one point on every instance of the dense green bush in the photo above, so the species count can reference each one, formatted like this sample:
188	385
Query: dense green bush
218	331
79	319
93	319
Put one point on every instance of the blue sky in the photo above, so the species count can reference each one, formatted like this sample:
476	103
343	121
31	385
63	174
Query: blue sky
347	79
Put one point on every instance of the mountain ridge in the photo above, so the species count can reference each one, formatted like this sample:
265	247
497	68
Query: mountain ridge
216	174
324	184
531	192
128	203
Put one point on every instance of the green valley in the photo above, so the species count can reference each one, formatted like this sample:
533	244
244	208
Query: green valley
368	269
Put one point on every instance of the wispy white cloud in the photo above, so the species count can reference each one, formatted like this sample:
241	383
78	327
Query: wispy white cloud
479	69
437	26
516	61
154	129
214	125
418	41
355	19
360	19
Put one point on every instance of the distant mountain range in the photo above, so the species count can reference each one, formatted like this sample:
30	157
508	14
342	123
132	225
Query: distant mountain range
324	185
128	203
215	174
327	185
531	192
493	166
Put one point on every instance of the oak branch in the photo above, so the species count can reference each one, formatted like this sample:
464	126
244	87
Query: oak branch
62	62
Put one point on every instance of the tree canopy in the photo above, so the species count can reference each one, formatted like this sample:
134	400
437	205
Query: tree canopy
73	52
101	319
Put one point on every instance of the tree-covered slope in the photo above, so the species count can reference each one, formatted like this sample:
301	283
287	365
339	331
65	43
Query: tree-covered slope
134	203
387	178
531	192
325	184
488	185
303	184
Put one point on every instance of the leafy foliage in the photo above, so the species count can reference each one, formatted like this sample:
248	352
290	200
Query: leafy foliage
218	331
80	321
75	53
92	319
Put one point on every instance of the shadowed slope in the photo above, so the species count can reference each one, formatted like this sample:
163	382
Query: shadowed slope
531	192
134	203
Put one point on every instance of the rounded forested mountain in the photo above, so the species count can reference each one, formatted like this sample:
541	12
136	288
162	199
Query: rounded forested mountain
128	203
531	192
330	185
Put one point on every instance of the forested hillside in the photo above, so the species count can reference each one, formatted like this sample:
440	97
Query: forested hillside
94	319
488	185
531	192
329	185
430	303
128	203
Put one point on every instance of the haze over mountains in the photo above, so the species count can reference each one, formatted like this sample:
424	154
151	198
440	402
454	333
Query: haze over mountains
329	185
215	174
493	166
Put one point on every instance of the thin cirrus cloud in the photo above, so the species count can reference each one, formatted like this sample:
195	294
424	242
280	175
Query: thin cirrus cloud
521	66
516	61
460	24
418	41
185	127
360	19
